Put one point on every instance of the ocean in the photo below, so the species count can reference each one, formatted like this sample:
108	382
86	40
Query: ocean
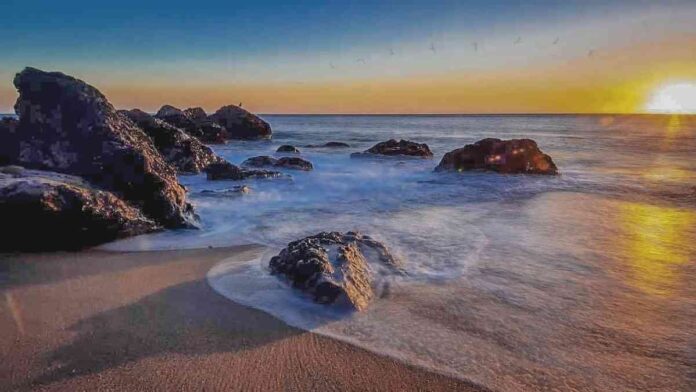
583	281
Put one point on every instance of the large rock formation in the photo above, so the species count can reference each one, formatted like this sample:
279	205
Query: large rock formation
194	122
334	267
68	126
295	163
178	148
228	171
401	147
502	156
48	211
241	124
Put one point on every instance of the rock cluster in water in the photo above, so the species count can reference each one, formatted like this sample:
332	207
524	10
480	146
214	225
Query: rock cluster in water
45	210
229	171
334	267
503	156
295	163
393	148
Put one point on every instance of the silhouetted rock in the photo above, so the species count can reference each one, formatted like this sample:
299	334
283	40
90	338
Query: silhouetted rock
329	145
288	148
333	267
180	149
228	171
241	124
68	126
8	139
295	163
48	211
194	122
196	114
402	147
502	156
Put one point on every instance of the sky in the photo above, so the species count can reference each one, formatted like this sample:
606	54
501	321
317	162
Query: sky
408	56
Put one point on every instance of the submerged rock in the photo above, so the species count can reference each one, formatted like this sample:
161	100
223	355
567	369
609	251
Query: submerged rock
234	191
240	124
295	163
49	211
402	147
334	267
329	145
288	148
66	125
502	156
228	171
180	149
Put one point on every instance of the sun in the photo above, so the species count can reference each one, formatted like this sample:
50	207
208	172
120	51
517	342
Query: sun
673	98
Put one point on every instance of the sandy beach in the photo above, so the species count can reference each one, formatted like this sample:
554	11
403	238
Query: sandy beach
99	320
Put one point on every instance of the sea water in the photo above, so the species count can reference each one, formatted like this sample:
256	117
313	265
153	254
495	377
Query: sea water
578	281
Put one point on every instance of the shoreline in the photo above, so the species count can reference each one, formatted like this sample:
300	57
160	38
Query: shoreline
149	320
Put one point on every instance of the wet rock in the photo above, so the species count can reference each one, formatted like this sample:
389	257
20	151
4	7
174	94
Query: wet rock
177	147
196	114
502	156
295	163
8	139
401	147
234	191
228	171
335	267
329	145
194	122
240	124
68	126
288	148
50	211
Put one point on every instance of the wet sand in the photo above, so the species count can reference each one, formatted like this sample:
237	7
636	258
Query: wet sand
99	320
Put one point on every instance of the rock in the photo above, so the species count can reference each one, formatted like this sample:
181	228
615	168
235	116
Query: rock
502	156
288	148
68	126
334	267
295	163
402	147
329	145
234	191
228	171
52	211
241	124
8	138
194	122
180	149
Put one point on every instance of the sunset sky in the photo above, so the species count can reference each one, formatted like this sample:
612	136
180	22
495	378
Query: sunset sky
359	56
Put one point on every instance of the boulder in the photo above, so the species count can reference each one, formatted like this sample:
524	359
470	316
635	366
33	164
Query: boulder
180	149
288	148
240	124
228	171
8	129
401	147
51	211
194	122
68	126
294	163
334	267
329	145
502	156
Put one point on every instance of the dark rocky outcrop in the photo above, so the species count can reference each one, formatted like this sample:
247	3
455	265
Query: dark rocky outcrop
502	156
68	126
329	145
401	147
194	122
295	163
8	139
177	147
228	171
288	148
240	124
334	267
50	211
196	114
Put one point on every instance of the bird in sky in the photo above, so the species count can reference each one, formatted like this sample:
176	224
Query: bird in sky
360	60
391	51
518	40
590	53
475	45
332	66
555	41
432	47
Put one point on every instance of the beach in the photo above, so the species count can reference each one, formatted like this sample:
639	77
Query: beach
99	320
